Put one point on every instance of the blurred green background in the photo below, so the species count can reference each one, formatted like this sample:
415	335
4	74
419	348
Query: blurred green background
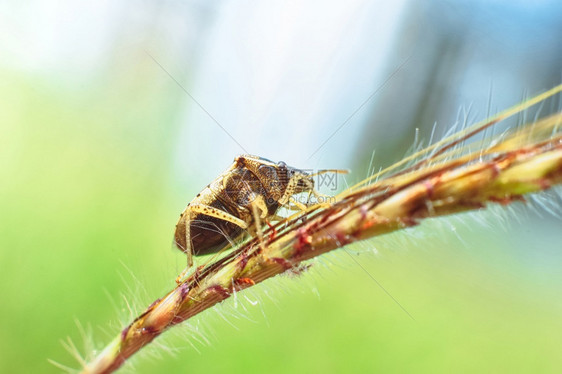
101	148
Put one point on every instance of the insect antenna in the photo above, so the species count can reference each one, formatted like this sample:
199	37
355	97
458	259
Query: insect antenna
336	171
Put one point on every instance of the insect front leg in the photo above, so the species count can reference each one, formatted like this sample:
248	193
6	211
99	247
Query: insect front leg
288	195
321	198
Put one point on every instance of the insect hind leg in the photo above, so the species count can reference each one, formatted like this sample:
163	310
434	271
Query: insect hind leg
191	211
188	250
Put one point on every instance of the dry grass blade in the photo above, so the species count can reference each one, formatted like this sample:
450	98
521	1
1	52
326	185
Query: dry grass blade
449	181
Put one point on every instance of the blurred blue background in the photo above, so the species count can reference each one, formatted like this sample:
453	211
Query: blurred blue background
113	115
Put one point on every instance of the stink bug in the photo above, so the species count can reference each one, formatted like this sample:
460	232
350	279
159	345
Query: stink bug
250	191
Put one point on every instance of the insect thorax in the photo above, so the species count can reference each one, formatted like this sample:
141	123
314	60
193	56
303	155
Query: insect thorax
242	187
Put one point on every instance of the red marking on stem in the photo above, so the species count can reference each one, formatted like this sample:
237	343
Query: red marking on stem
507	199
298	270
364	211
343	238
325	218
243	260
544	184
244	282
365	222
223	292
196	275
303	241
428	184
146	312
496	170
149	330
273	233
281	261
184	290
154	303
125	332
409	221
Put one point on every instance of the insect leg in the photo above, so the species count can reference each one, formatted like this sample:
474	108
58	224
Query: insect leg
318	195
289	191
276	217
192	211
188	245
217	213
258	204
301	206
